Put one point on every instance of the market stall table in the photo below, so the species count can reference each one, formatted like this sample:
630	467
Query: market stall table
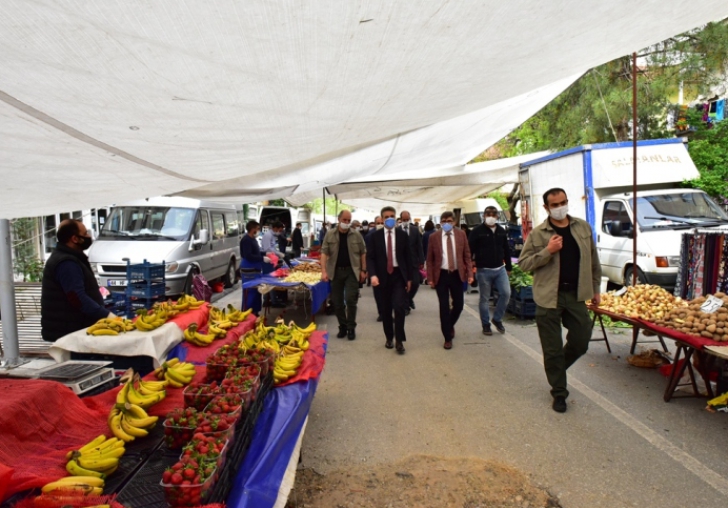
318	292
636	325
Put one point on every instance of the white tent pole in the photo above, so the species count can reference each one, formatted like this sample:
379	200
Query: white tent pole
7	298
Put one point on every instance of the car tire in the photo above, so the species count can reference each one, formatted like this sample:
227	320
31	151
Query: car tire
641	279
189	286
230	275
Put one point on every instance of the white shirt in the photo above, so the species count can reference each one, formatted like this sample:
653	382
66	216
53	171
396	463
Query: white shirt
394	244
445	265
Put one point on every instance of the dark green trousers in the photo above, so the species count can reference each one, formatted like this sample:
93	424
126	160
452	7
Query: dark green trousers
344	294
558	357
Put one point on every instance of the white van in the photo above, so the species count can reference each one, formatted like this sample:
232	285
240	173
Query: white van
471	211
189	235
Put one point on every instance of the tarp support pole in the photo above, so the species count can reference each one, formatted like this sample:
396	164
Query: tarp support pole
634	167
11	355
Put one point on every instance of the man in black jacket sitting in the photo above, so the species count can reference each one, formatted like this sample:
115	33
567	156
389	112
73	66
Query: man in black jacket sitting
70	297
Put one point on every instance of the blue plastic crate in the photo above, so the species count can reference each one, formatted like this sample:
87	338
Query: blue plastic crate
144	271
145	290
523	310
522	293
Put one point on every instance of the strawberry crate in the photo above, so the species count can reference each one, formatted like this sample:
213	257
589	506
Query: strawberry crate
521	309
522	293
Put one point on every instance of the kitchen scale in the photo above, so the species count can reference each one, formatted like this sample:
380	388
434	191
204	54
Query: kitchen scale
79	375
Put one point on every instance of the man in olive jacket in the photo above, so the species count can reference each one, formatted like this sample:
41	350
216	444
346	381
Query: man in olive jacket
566	272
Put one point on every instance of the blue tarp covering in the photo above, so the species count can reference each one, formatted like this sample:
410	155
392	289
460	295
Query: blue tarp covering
319	291
274	439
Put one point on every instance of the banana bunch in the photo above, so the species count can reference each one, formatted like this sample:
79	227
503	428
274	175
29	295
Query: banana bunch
287	363
273	337
145	396
187	302
167	307
192	335
177	374
83	484
236	316
98	459
129	421
110	326
147	321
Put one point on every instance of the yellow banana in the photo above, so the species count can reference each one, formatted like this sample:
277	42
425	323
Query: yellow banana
93	444
121	396
136	411
92	481
80	485
143	326
98	463
142	423
75	469
104	331
205	339
131	429
115	425
144	401
178	376
111	453
173	383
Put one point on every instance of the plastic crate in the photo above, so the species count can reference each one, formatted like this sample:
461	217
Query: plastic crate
522	293
144	271
145	289
521	309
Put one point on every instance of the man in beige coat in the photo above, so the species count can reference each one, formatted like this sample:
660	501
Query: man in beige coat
566	272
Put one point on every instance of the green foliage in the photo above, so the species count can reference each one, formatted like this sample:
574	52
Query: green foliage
709	150
520	279
317	206
277	202
25	258
597	108
501	198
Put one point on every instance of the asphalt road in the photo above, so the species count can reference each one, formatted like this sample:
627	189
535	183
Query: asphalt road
618	445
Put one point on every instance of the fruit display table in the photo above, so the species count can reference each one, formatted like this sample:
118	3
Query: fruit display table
318	293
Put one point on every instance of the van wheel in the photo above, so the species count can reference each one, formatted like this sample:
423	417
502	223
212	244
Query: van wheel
641	279
230	275
189	286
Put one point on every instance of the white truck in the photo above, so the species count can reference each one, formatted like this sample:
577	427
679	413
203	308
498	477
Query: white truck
598	182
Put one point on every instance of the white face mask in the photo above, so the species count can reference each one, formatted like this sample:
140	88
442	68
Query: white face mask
559	213
344	226
380	226
405	223
490	221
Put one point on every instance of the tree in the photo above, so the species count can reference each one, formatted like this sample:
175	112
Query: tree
332	205
25	257
708	148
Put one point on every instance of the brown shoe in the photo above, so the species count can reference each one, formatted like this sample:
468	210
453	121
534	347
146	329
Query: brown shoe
448	344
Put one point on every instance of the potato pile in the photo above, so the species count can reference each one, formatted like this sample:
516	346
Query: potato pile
644	301
307	268
693	321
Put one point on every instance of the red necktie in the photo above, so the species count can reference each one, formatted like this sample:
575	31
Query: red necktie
450	254
390	259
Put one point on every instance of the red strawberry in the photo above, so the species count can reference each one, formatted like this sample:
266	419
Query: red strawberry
176	479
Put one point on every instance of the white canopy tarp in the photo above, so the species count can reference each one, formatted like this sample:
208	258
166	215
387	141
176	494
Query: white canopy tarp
103	102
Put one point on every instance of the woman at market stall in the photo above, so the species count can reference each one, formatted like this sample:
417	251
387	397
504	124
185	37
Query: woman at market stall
252	265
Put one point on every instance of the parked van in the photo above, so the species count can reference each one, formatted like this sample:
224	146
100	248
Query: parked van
470	211
289	217
189	235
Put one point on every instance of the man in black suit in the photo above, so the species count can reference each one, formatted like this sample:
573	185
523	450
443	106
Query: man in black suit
297	240
390	266
418	256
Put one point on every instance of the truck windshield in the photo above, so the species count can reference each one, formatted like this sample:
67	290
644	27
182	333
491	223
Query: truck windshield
679	210
148	223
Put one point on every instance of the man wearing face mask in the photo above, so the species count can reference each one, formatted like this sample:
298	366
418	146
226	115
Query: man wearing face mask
70	297
344	263
390	264
562	255
297	240
418	256
489	245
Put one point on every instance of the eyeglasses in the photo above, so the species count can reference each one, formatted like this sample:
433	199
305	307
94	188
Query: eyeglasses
449	221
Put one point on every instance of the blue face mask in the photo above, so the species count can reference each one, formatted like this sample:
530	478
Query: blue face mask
447	227
390	223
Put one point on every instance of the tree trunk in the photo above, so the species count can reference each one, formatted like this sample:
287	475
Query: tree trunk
513	198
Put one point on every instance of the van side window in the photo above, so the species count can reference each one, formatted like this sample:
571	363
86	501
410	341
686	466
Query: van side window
615	220
232	226
201	222
218	225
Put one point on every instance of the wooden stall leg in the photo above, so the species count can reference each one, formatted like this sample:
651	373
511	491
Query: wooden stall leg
662	341
705	365
675	375
604	331
635	335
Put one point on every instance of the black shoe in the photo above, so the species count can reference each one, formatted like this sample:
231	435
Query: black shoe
379	319
487	330
389	344
351	334
412	305
342	333
406	312
499	326
559	404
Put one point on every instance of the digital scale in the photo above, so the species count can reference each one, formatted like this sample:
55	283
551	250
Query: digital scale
80	376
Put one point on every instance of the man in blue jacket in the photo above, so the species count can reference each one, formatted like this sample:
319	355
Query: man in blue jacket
70	297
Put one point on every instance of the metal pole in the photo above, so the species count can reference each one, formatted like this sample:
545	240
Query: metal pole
323	192
11	357
634	167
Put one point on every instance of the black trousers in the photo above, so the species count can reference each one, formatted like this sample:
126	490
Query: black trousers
414	288
378	299
450	286
393	297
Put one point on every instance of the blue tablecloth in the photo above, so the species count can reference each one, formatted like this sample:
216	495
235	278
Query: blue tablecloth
319	292
274	439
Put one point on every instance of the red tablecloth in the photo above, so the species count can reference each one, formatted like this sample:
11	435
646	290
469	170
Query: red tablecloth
313	359
693	341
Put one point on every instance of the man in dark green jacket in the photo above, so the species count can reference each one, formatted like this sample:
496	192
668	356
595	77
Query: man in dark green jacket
566	273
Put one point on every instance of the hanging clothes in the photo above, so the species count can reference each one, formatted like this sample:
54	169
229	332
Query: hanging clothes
719	110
